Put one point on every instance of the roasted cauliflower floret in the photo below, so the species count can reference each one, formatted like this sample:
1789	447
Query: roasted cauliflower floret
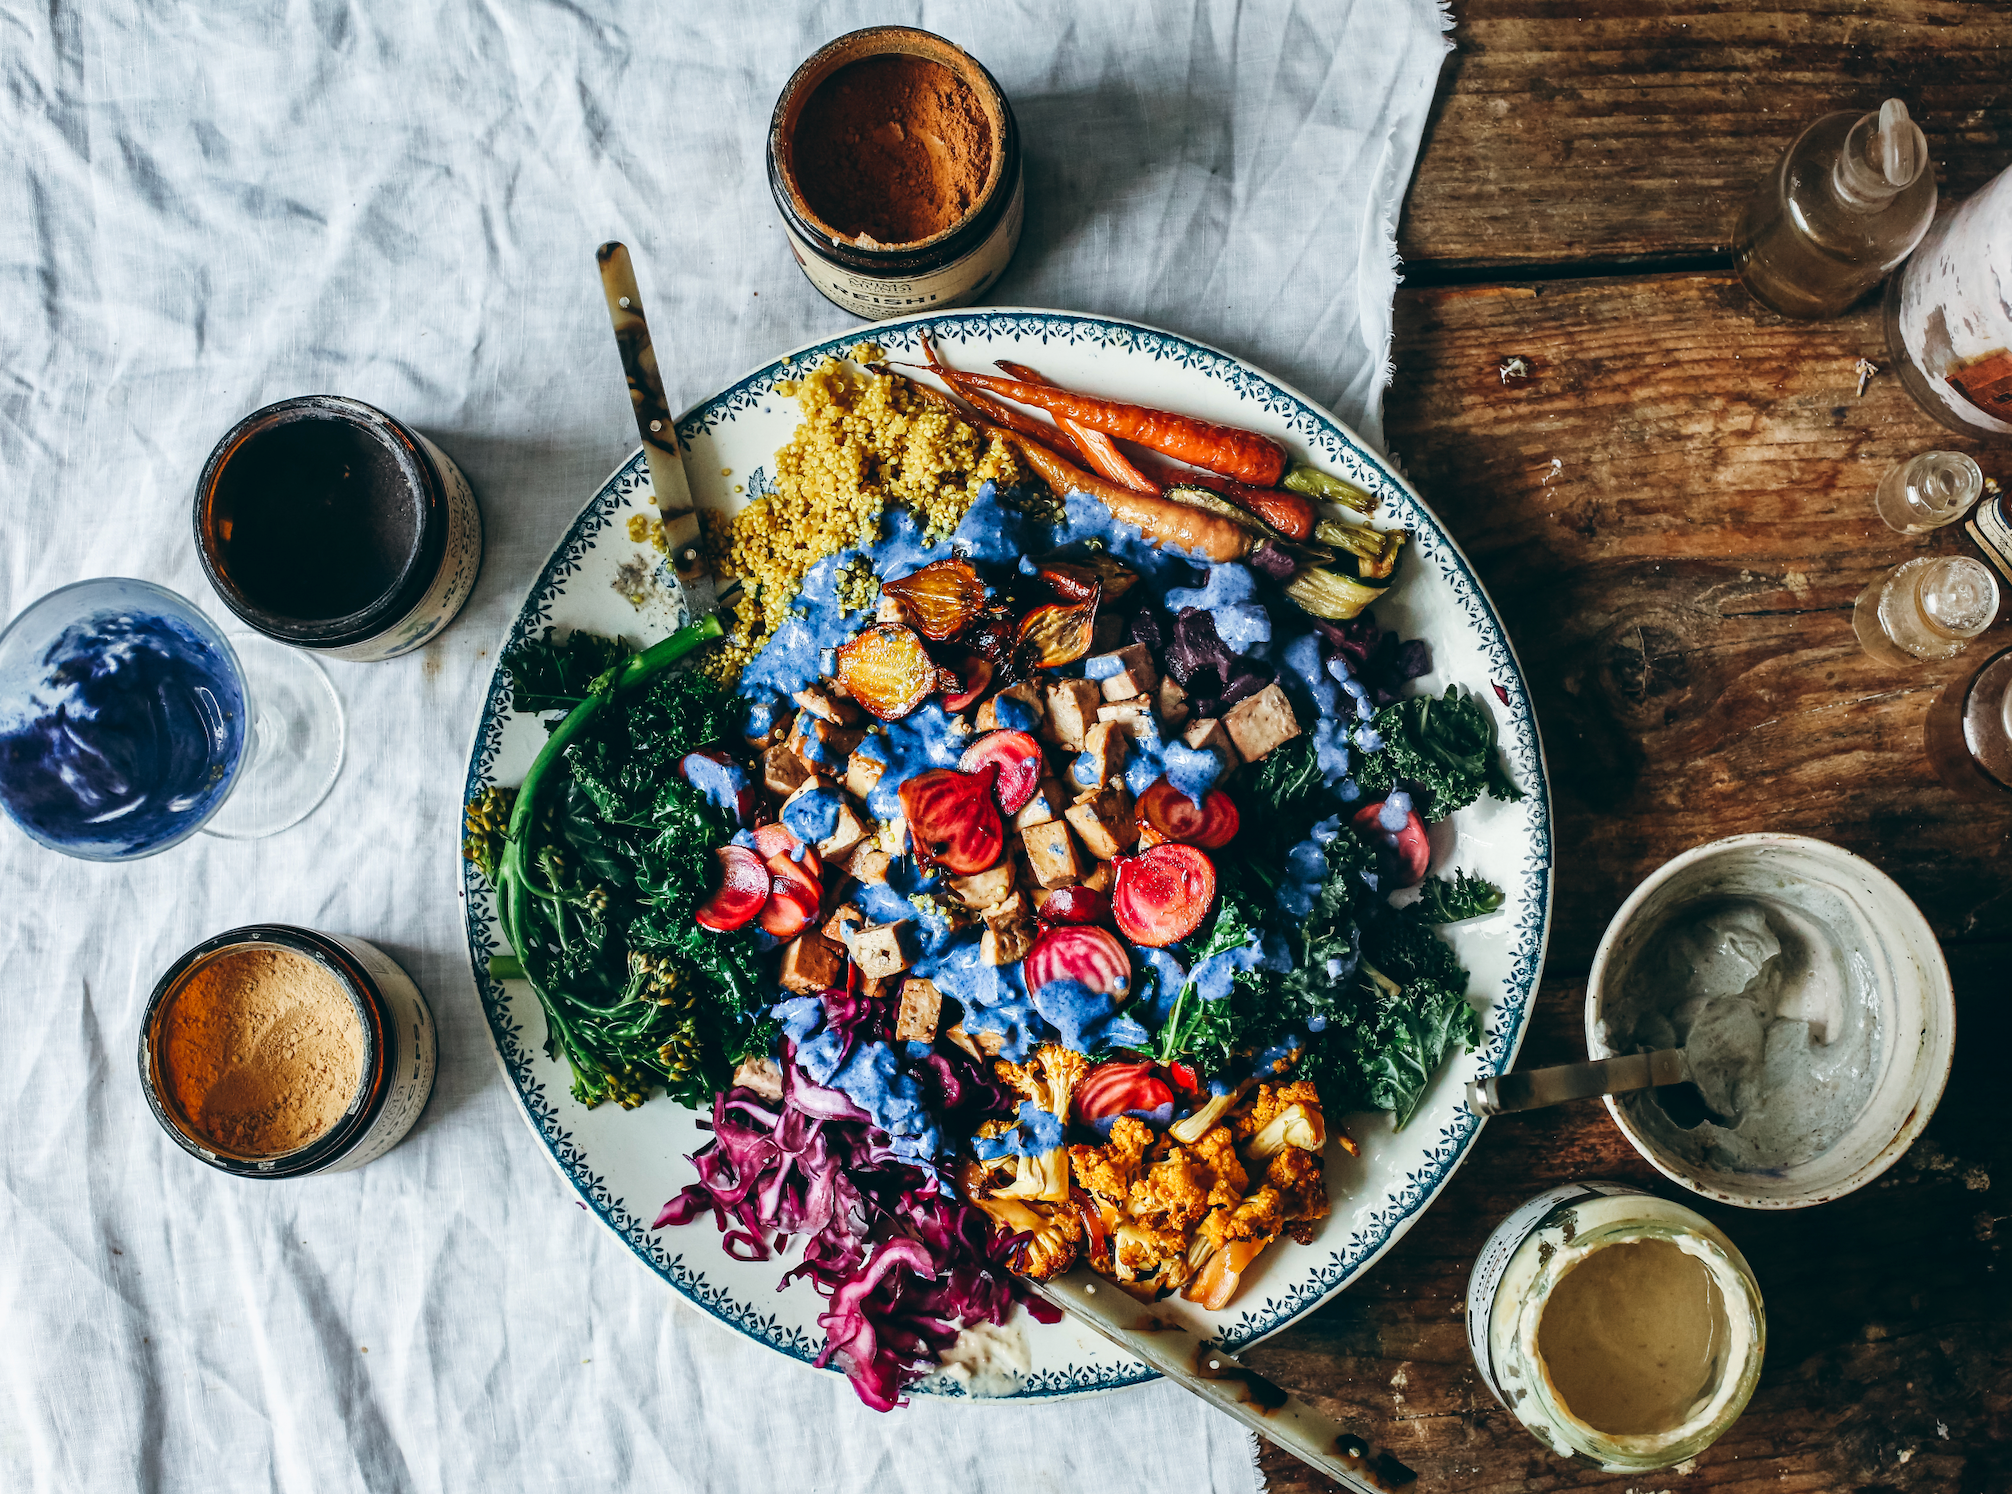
1110	1170
1046	1086
1267	1102
1054	1236
1140	1250
1302	1191
1256	1218
1217	1152
1174	1193
1049	1080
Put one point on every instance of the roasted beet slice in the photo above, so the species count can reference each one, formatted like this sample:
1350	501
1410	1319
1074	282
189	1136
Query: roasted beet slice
1163	895
776	840
974	675
742	889
1079	952
1220	821
887	670
952	819
1075	905
793	897
1017	756
1165	813
1115	1088
942	598
1412	849
1056	634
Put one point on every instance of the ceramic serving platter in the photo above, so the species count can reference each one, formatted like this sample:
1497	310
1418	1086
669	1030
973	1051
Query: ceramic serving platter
625	1164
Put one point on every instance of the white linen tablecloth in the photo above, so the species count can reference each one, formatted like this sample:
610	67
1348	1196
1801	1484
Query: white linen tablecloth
205	208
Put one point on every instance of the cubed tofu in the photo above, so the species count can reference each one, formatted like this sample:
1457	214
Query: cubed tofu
845	921
987	887
1121	675
861	774
852	828
1103	758
1259	724
1072	710
782	771
1009	931
878	987
1103	877
779	721
1172	701
1208	734
921	1008
1049	800
893	836
821	700
822	745
1052	855
811	963
881	951
1105	823
981	1045
1138	708
888	609
869	863
1026	693
762	1075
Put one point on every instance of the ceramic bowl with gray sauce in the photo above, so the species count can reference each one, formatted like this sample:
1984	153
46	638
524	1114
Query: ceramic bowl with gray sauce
1812	1000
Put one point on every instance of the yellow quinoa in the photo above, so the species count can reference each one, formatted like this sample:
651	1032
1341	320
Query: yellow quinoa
866	439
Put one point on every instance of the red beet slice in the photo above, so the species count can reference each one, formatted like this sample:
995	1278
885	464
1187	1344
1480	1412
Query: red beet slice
1165	813
976	675
743	888
1163	895
793	897
1413	851
776	840
1114	1088
952	820
1018	758
1075	905
1080	953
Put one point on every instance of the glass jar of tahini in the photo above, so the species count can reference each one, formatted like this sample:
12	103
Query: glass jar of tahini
894	160
1623	1330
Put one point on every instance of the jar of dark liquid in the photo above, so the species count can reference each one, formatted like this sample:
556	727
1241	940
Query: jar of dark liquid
1969	732
326	524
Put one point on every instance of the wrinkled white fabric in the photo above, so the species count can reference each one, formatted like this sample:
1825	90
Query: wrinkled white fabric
208	207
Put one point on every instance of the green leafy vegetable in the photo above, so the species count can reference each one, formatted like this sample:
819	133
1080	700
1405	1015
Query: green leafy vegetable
547	674
1441	901
1288	777
1208	1033
1446	746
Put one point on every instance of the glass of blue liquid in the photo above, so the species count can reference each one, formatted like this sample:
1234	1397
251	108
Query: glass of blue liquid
128	722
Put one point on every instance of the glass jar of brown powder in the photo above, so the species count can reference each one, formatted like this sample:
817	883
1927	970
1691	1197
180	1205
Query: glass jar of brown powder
895	163
272	1051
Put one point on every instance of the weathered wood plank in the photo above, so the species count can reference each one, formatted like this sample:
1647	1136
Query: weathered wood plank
1673	513
1605	131
1886	1367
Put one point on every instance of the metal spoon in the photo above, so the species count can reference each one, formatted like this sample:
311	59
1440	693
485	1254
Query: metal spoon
1536	1088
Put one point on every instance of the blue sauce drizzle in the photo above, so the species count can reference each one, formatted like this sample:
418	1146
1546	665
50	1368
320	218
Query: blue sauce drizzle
759	717
994	997
813	816
1330	736
1213	977
918	742
1087	1019
720	782
1229	596
131	738
1145	756
1038	1133
1013	714
1192	770
1306	869
1102	667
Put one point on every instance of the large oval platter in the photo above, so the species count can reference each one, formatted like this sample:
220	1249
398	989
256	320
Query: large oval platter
626	1163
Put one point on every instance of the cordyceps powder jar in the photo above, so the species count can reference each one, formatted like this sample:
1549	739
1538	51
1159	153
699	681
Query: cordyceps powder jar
273	1051
1623	1330
894	159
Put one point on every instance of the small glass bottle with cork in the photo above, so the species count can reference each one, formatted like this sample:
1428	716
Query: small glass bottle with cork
1847	202
1926	608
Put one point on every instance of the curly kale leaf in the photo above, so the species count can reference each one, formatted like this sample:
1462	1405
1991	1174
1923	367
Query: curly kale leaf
1445	745
1414	1032
1441	901
628	760
547	674
1288	777
1205	1032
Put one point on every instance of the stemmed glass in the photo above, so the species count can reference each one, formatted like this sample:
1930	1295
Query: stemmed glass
128	722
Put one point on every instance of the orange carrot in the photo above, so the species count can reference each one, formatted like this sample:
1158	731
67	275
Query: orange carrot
1291	514
1098	449
1244	455
1003	413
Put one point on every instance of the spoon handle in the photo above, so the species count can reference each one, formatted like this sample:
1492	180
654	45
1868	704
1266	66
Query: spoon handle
1535	1088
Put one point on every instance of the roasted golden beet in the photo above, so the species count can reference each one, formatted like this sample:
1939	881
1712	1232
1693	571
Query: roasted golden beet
887	670
942	598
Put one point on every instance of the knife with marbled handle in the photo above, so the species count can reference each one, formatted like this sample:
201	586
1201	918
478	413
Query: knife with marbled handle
1218	1377
659	430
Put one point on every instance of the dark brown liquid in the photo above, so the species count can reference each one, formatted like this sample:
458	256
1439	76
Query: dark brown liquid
318	518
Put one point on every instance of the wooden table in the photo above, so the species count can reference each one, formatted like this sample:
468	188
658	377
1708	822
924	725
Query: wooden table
1674	514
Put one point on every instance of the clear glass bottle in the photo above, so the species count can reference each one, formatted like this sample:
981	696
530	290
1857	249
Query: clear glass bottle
1927	491
1969	732
1927	608
1847	202
1949	316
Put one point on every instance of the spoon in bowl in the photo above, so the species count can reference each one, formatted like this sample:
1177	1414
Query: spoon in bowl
1536	1088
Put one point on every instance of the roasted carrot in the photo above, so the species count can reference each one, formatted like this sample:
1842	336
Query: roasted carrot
1002	413
1098	449
1244	455
1291	514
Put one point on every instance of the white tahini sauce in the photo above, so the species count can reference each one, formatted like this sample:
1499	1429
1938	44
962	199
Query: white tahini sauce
990	1359
1780	1026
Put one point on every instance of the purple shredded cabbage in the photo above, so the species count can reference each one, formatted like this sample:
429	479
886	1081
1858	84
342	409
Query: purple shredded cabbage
904	1265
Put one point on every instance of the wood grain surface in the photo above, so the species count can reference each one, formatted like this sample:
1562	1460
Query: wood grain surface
1575	132
1673	514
